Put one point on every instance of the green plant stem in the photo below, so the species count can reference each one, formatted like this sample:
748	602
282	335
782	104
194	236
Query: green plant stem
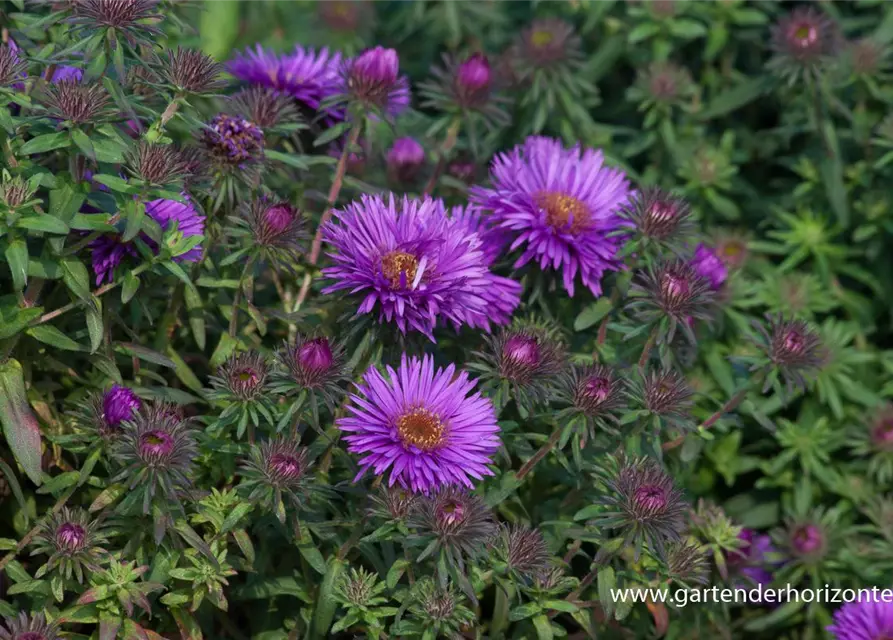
646	350
237	298
501	607
337	183
528	466
448	143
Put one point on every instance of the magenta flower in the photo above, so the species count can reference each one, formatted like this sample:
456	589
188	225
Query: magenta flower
308	75
751	558
863	620
421	424
119	404
405	158
708	265
561	206
373	79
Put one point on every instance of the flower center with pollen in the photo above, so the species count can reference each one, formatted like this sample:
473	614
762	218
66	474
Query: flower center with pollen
805	35
541	38
421	429
399	268
563	212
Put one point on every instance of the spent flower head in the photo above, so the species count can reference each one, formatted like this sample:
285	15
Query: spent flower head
666	397
76	102
233	143
160	165
188	71
73	540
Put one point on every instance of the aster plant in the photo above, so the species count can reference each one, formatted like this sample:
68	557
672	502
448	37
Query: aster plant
276	476
241	385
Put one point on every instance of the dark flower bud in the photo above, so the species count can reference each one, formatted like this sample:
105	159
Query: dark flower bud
393	503
158	164
660	216
313	363
807	540
666	82
597	390
119	404
359	588
802	42
11	66
524	550
276	475
75	102
70	536
868	57
243	375
459	522
233	142
25	627
14	192
190	71
793	348
438	609
687	563
129	17
264	107
666	393
405	158
474	74
73	542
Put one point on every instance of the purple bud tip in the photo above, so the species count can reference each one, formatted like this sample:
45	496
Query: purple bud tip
674	286
807	538
597	388
315	355
406	152
708	265
661	212
156	443
803	34
882	434
451	513
30	635
794	341
377	65
119	404
522	350
650	497
474	74
285	465
278	218
70	536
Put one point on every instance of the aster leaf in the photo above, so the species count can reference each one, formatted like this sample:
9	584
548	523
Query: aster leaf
46	142
20	426
17	258
42	222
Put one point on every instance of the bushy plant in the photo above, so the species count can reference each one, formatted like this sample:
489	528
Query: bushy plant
443	319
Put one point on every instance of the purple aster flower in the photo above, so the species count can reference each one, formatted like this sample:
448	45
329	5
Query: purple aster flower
106	253
119	404
405	159
422	424
233	142
66	73
708	265
25	627
561	205
309	76
188	220
409	259
373	79
750	559
863	620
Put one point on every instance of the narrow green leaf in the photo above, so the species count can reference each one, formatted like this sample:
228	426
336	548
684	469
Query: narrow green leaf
44	223
134	212
76	278
115	183
326	604
129	287
50	335
46	142
592	314
20	427
735	98
83	143
146	354
95	325
184	373
17	257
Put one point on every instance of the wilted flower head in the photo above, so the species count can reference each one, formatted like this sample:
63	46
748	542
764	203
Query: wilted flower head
191	71
314	363
373	80
793	348
461	524
264	107
708	265
76	102
409	259
276	472
73	541
642	501
548	44
243	376
676	291
523	550
422	425
11	66
660	216
560	205
868	619
158	164
405	159
307	75
131	18
687	562
233	142
157	449
25	627
802	41
868	57
665	82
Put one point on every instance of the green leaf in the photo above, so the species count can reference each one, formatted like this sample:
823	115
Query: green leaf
134	212
184	373
20	318
224	349
20	427
17	257
145	354
50	335
543	627
47	269
76	278
115	183
525	611
832	178
311	554
395	573
129	287
46	142
107	497
332	133
95	326
606	582
44	222
83	142
326	604
735	98
60	482
592	314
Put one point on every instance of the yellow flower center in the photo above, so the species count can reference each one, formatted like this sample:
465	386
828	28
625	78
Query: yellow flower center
421	429
541	38
399	268
563	212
